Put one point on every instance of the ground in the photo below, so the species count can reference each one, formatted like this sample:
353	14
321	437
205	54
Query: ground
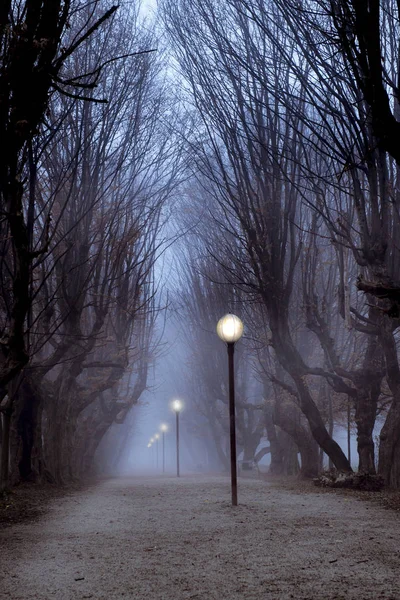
162	538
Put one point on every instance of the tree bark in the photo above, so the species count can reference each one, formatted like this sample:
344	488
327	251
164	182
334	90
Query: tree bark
390	434
28	428
5	450
365	416
288	417
276	466
292	362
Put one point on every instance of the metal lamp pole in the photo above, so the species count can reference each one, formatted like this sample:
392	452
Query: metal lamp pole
177	407
163	451
149	446
177	444
163	428
156	437
232	422
152	452
230	330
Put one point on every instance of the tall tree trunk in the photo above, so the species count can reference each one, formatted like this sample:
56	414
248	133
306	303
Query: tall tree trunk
58	440
365	416
251	442
276	466
5	450
7	414
317	426
331	423
293	364
389	444
288	418
290	451
28	428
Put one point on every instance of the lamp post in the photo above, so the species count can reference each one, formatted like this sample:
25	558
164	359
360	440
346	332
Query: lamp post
164	428
152	445
177	406
156	438
230	330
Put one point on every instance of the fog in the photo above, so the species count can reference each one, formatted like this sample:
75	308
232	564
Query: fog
199	232
168	381
167	163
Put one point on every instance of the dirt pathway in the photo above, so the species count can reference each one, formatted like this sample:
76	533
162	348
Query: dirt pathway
169	539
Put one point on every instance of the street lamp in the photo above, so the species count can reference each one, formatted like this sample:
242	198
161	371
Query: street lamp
164	428
177	406
156	438
230	330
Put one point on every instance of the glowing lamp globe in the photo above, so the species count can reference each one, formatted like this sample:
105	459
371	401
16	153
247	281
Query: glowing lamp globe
177	405
151	440
156	436
230	328
164	427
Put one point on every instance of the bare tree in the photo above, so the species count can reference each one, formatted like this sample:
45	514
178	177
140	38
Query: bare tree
251	161
34	52
354	113
108	180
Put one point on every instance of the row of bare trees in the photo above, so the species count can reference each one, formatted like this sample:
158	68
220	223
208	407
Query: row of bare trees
288	135
294	108
88	162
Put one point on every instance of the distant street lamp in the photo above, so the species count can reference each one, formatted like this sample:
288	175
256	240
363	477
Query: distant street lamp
156	438
177	406
149	445
164	428
152	440
230	330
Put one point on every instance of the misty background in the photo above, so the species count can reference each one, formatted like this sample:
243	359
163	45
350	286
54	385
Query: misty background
176	161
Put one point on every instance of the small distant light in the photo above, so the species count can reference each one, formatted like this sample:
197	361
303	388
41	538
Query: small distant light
164	427
177	405
157	436
149	445
151	440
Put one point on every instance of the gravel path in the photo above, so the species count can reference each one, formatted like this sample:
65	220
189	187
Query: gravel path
169	539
